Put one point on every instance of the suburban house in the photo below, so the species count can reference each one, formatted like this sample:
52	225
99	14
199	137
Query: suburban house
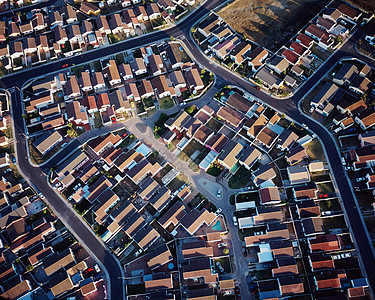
138	66
75	112
71	89
145	89
153	11
256	57
125	71
194	81
230	116
346	74
230	154
278	64
240	52
269	80
111	73
365	119
119	104
98	81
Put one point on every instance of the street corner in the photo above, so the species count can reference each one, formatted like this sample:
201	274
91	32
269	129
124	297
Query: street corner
211	187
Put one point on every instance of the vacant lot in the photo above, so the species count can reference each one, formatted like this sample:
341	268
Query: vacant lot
364	4
270	22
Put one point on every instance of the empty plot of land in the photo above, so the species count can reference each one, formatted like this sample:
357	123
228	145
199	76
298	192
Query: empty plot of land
270	23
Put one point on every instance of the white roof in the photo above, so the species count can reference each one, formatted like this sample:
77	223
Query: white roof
245	205
247	222
265	254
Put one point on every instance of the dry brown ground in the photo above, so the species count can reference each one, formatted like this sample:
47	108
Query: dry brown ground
367	5
270	23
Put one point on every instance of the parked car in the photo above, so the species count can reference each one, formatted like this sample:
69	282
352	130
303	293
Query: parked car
223	244
235	222
64	66
321	196
257	87
42	196
218	211
360	179
97	269
237	292
218	194
221	269
305	126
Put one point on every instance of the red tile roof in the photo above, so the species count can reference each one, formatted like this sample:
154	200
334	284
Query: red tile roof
290	56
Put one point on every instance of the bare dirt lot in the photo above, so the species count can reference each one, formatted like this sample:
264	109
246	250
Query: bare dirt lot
270	23
367	5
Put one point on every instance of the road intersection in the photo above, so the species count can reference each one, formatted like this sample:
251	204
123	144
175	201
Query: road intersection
287	106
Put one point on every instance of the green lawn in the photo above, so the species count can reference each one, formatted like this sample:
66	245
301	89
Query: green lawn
155	157
333	205
128	141
214	170
148	102
176	183
334	222
242	178
326	188
214	125
159	128
315	150
98	120
166	103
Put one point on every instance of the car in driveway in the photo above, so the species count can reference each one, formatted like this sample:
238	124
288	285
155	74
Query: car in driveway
219	193
235	222
220	267
223	244
360	179
237	291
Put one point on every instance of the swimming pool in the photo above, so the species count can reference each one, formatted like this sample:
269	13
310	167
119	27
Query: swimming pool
217	226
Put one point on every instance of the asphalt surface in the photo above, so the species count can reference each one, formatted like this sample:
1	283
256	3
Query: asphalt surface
287	106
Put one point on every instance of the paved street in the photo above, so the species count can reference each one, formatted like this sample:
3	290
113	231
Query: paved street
287	106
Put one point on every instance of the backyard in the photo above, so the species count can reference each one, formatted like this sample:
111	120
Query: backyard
242	178
315	150
166	103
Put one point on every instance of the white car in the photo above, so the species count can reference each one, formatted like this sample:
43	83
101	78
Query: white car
219	193
97	269
360	179
305	126
218	211
235	222
223	244
41	196
221	269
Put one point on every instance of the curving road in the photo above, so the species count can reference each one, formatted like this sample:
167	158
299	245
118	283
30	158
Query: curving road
288	106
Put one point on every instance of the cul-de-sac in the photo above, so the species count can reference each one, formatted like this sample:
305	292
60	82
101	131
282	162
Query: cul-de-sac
187	149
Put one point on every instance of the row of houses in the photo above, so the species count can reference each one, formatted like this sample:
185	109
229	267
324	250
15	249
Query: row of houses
86	95
223	42
131	216
322	33
26	229
356	78
133	165
69	35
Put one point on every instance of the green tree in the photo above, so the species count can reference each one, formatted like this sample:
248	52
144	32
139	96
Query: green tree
9	132
72	131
